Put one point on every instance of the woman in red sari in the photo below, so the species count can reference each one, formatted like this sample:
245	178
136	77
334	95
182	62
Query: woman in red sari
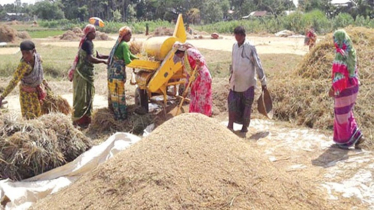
201	85
344	90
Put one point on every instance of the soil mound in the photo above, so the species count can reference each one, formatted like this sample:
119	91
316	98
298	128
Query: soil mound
189	162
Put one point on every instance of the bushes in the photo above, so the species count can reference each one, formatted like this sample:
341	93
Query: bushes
296	22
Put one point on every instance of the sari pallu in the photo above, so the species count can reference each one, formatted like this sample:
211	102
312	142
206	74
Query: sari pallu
346	131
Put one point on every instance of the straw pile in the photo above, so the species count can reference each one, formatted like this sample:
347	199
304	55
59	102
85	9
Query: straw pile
181	165
103	122
163	31
76	34
23	35
302	97
136	47
7	33
55	103
29	148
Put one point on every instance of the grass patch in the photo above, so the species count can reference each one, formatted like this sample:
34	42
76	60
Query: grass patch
45	33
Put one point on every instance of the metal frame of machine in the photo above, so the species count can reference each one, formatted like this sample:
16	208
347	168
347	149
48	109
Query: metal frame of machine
154	77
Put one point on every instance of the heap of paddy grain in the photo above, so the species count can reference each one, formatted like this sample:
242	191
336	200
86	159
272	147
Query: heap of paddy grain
189	162
31	147
302	95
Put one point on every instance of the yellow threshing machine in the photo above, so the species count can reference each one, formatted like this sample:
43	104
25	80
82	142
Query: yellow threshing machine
153	77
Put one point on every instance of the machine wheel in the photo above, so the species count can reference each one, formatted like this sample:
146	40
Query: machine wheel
141	99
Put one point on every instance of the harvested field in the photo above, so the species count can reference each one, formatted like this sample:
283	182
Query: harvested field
31	147
302	97
181	165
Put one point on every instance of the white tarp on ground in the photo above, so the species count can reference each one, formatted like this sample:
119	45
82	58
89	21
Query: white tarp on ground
24	193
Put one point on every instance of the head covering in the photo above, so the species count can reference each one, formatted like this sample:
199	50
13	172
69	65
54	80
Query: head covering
27	45
182	46
124	31
344	65
88	29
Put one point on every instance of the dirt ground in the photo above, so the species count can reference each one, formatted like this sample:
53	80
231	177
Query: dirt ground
345	175
264	45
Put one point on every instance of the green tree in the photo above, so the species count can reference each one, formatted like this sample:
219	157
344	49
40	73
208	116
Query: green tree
48	10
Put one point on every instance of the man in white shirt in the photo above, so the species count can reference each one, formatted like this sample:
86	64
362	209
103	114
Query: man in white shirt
245	62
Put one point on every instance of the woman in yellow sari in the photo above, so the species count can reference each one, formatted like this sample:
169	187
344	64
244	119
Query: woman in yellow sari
30	73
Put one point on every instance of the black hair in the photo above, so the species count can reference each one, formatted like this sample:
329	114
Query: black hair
27	45
179	51
239	30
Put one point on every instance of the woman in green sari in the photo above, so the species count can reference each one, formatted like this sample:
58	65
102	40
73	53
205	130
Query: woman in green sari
82	75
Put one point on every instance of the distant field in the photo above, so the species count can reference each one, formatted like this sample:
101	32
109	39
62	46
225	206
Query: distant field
45	33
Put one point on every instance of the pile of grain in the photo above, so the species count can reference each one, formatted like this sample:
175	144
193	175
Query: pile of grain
302	96
31	147
189	162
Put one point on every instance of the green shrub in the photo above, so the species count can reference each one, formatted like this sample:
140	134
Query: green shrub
342	20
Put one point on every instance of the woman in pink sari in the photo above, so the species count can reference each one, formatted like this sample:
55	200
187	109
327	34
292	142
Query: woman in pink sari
344	90
201	85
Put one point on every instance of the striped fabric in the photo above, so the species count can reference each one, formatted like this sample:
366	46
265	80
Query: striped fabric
346	132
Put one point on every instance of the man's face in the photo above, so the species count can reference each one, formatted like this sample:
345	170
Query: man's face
239	38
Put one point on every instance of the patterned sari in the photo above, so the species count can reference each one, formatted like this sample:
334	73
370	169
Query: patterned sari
120	55
84	89
201	88
346	86
31	87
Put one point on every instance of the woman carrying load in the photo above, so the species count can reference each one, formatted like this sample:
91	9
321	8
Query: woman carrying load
344	90
32	88
82	75
119	57
201	86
